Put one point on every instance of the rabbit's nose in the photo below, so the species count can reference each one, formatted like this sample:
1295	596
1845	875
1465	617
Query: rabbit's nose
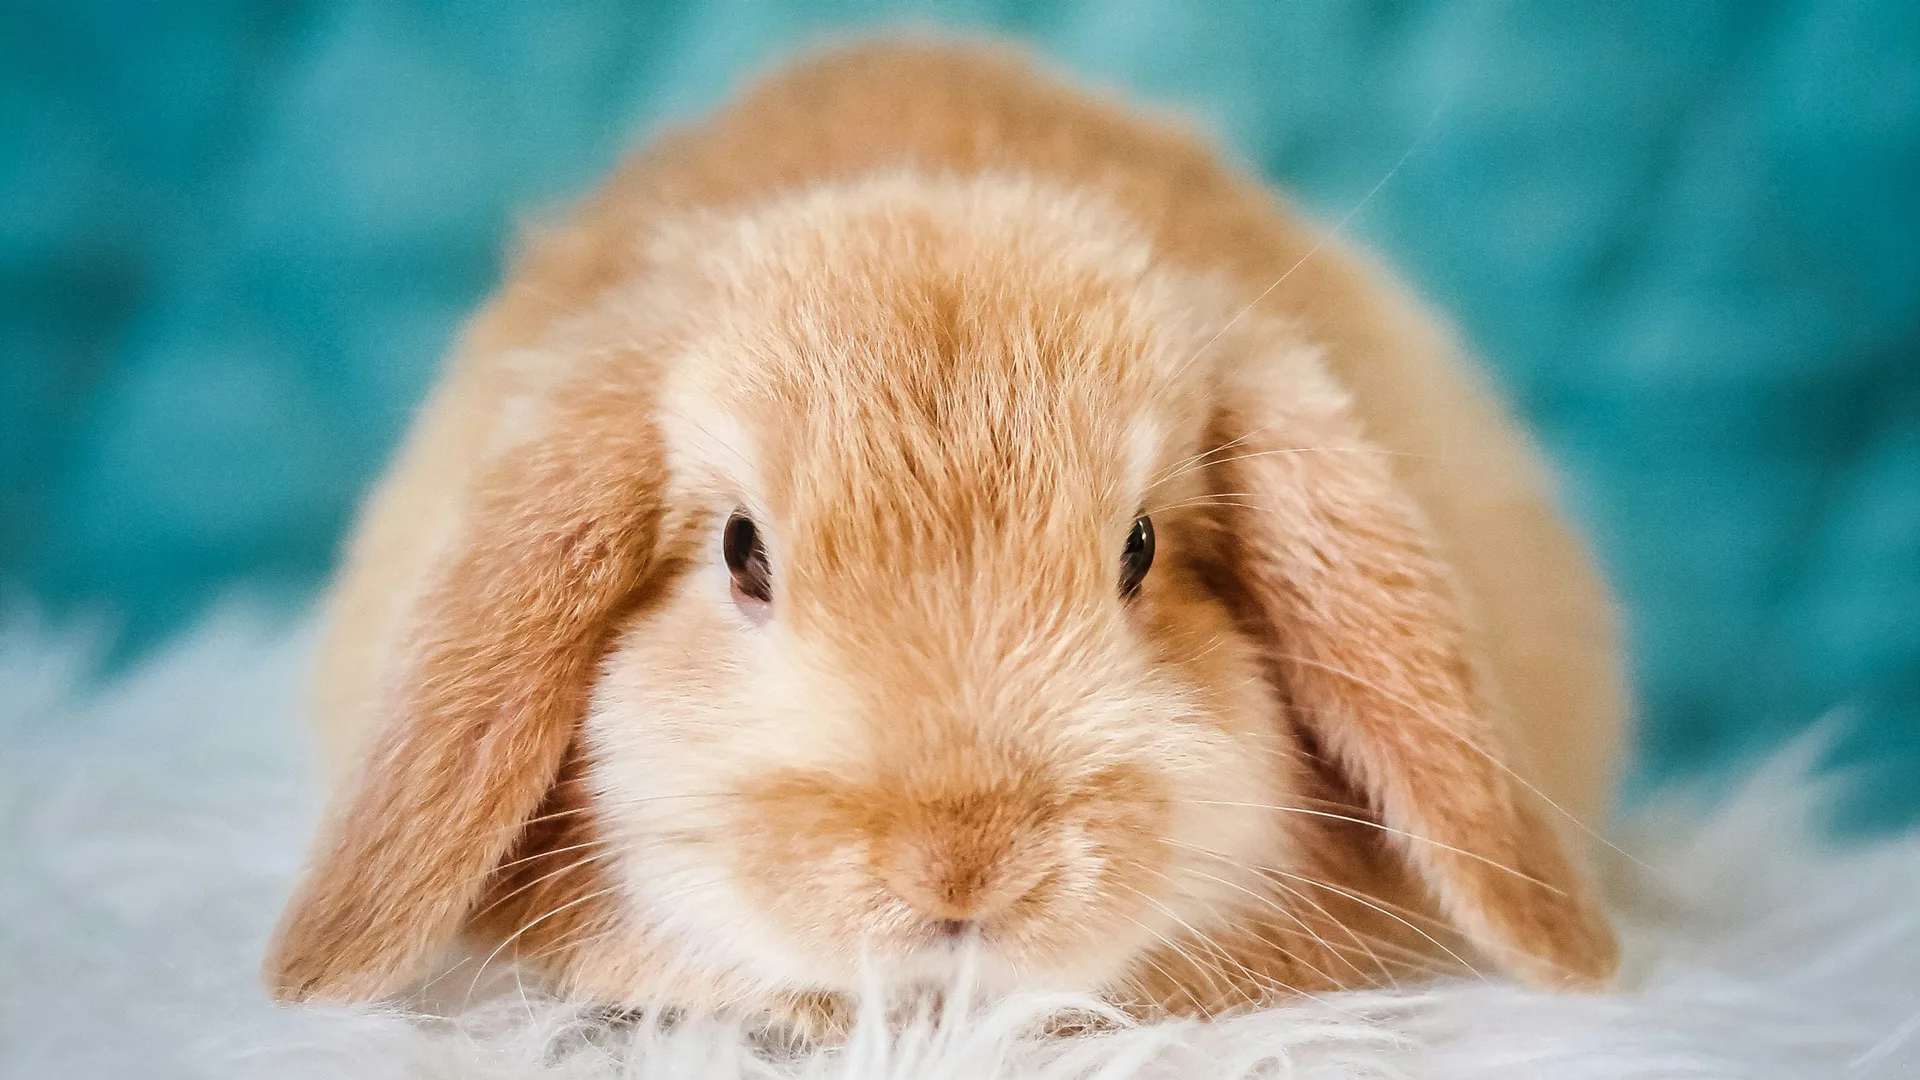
953	882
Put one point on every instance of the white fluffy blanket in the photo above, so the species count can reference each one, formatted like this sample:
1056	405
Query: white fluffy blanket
149	829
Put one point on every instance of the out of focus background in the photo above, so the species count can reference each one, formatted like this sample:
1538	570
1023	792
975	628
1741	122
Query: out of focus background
235	238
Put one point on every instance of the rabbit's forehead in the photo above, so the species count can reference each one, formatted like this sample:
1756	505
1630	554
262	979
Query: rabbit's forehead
992	408
942	367
1004	426
957	381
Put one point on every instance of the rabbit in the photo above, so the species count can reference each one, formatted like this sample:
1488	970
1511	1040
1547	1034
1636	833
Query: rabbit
931	513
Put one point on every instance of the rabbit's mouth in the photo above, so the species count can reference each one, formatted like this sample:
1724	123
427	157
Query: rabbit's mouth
950	953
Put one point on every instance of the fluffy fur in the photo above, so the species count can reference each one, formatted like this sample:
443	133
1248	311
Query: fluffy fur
944	328
149	829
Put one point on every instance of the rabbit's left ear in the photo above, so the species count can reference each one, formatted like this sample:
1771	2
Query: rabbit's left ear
560	533
1335	561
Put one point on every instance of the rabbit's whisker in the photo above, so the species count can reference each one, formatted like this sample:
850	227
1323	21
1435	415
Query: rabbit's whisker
1197	461
1356	898
587	809
1379	451
1282	909
1402	833
516	935
1385	907
1206	942
542	854
1173	984
1305	926
576	864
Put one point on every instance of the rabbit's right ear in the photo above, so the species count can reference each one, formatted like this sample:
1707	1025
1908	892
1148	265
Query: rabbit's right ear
561	532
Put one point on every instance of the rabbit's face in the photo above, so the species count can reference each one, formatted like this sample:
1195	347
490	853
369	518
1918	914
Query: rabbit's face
939	667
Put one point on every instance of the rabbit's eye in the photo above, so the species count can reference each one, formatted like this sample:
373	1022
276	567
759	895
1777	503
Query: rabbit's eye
1136	557
747	559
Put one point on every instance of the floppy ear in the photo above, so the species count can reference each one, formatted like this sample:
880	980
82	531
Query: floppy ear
560	531
1338	563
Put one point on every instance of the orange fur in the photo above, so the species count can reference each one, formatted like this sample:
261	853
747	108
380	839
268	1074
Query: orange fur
943	328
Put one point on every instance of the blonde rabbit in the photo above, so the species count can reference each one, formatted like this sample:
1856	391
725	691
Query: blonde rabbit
928	508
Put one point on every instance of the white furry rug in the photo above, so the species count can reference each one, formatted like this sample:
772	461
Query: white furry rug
149	829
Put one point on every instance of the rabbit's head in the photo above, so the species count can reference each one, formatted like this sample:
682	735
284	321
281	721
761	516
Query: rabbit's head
917	563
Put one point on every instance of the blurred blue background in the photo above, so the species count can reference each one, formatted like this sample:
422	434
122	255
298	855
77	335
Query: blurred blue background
236	236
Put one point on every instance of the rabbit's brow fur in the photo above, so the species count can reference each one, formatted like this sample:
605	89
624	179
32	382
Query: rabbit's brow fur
943	327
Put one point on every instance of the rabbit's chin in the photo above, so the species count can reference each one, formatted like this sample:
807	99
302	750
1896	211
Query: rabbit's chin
710	929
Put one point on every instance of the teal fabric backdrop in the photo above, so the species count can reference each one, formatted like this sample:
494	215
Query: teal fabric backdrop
235	237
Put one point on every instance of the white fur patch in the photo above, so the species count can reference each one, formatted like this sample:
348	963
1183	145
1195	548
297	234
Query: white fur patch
152	827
